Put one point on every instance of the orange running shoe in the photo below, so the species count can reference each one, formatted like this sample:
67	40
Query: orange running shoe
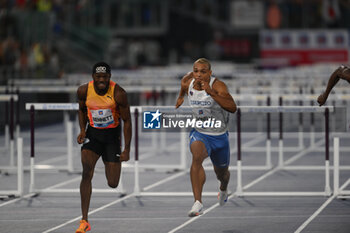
84	227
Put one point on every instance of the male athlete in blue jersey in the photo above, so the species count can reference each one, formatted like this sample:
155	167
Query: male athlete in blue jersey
209	99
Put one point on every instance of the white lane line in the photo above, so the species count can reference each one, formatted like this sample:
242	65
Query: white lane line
112	203
143	218
36	193
194	218
18	199
33	194
205	163
209	209
314	215
53	160
317	212
246	217
62	183
303	152
164	180
90	212
292	159
103	207
251	143
232	195
261	177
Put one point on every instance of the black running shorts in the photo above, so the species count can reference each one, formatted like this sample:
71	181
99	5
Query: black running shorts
104	142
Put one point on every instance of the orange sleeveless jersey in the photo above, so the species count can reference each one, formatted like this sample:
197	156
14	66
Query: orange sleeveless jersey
102	110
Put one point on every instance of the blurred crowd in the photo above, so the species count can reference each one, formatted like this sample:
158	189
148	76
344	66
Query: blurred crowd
24	57
205	30
307	14
38	60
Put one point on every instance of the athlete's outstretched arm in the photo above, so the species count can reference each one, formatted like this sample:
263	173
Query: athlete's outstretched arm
124	108
82	93
220	94
184	87
341	73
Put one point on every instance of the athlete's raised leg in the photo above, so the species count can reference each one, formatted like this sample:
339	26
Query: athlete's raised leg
112	170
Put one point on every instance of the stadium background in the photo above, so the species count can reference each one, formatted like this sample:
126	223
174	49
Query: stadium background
276	48
58	39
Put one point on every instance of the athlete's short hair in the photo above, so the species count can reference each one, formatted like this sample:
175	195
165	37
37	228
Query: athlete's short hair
204	61
101	67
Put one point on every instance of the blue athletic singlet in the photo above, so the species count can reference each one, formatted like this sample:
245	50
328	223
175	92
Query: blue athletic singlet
204	107
215	139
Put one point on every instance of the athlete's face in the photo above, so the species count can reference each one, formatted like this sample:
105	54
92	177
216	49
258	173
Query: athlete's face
101	81
201	72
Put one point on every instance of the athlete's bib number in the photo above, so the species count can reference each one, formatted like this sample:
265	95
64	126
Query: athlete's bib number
102	118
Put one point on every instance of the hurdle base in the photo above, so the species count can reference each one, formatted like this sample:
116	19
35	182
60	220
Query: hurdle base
94	190
177	194
154	167
9	194
40	168
247	167
313	167
284	194
343	197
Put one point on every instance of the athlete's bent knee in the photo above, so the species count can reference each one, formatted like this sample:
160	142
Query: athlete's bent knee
113	184
197	161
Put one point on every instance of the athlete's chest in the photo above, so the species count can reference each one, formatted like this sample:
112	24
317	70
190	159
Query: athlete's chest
100	102
97	101
200	98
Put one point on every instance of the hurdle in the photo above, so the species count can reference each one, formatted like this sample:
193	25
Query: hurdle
281	109
159	143
339	192
68	128
138	192
9	127
279	100
183	138
275	99
69	167
239	189
19	191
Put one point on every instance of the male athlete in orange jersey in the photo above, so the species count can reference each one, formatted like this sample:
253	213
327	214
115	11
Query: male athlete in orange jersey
102	103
